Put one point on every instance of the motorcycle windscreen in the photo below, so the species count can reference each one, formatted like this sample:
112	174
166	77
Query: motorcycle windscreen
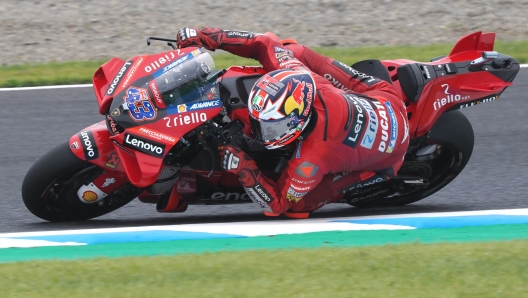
187	82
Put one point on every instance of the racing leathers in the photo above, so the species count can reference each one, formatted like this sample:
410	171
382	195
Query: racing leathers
359	138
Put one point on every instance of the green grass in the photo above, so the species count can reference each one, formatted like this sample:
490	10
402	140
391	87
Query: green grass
491	269
81	72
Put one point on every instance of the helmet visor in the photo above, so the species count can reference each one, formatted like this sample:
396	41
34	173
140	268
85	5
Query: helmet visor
268	131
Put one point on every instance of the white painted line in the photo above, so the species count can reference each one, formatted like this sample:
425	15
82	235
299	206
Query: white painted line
81	86
46	87
25	243
275	227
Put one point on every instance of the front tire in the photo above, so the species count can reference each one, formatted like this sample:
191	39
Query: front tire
49	189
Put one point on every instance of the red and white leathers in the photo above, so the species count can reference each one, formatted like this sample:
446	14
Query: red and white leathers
360	136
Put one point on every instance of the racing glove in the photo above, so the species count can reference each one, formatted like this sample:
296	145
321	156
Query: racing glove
235	160
209	38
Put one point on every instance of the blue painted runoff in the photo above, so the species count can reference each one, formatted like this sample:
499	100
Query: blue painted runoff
140	236
446	222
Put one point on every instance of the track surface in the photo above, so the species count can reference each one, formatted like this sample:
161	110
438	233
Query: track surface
35	121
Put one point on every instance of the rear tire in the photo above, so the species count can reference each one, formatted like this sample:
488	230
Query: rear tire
454	139
49	189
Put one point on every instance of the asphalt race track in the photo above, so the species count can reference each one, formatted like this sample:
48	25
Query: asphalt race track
35	121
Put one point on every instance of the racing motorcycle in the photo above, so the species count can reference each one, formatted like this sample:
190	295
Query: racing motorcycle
166	115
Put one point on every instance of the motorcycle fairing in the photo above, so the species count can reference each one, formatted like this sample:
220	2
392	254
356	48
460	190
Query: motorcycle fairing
452	82
141	149
466	46
92	144
449	93
116	75
101	81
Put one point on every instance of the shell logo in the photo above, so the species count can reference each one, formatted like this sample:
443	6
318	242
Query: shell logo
182	108
89	196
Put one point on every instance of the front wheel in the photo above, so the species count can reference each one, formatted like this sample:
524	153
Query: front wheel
443	156
49	189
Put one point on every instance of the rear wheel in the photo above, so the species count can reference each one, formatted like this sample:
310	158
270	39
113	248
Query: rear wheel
440	158
49	189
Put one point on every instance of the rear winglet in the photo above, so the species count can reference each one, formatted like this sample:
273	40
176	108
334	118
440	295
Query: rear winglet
474	42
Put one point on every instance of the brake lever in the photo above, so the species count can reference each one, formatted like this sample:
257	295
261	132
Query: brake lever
170	42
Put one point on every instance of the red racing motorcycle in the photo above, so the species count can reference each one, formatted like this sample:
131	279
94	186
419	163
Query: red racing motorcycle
167	114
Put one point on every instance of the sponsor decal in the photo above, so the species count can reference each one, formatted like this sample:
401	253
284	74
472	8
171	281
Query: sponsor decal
132	71
298	151
309	98
90	193
160	62
427	73
284	56
157	96
373	180
75	145
113	161
108	181
485	100
190	107
295	193
365	78
384	124
300	188
372	126
182	108
233	161
271	85
205	105
394	128
257	199
140	108
278	49
257	104
303	182
358	121
173	64
89	196
229	196
89	145
239	34
370	195
263	194
117	78
143	145
307	169
336	83
293	198
157	135
448	98
116	112
292	63
112	125
189	118
186	33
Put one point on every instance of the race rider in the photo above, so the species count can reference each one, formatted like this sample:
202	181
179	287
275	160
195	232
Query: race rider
343	122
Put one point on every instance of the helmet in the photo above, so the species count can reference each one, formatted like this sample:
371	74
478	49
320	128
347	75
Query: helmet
280	106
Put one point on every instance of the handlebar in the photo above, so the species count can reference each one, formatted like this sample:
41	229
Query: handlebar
170	42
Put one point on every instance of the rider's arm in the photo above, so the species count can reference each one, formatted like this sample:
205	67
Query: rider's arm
265	48
339	74
299	178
